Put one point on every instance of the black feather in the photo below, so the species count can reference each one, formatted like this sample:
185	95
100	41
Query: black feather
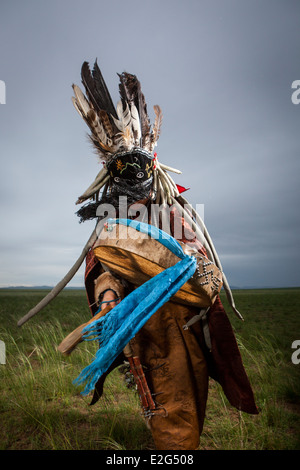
96	89
130	90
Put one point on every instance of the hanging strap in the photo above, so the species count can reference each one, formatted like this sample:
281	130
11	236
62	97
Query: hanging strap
203	317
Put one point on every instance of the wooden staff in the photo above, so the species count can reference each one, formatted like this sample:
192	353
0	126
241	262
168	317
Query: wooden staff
75	337
59	287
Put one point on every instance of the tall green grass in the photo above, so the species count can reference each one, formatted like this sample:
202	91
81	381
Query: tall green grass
40	408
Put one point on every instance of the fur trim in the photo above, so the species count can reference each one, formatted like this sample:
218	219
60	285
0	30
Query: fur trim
108	281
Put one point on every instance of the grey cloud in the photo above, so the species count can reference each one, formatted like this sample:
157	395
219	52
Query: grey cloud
222	73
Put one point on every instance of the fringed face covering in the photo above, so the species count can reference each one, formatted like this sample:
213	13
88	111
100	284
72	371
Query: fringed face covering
136	166
131	176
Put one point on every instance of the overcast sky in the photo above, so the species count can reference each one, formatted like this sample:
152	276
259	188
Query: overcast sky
222	72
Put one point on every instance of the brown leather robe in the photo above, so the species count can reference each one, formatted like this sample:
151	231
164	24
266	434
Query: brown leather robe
177	365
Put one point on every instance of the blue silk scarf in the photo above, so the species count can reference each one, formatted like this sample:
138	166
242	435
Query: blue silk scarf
119	325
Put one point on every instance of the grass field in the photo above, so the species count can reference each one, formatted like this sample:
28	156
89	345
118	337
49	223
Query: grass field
41	409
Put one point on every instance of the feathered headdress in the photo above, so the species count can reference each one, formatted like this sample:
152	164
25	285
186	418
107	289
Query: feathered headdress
118	135
120	129
126	128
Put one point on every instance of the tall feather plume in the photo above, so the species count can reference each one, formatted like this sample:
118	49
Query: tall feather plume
123	123
144	118
124	116
115	129
106	123
130	90
96	89
97	109
121	128
80	102
99	132
157	126
99	136
136	125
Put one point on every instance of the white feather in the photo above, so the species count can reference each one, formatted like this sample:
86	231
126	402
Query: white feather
124	117
125	136
81	101
136	124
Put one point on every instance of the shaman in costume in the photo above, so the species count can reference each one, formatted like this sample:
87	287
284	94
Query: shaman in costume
167	319
179	345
